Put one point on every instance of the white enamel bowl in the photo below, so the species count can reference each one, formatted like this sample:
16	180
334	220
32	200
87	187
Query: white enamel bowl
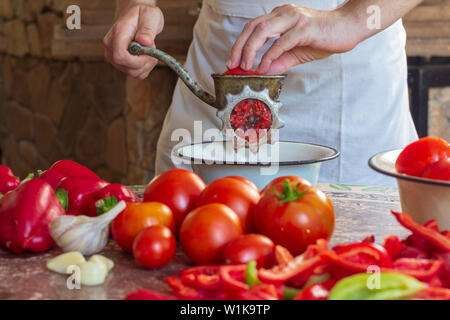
423	199
212	160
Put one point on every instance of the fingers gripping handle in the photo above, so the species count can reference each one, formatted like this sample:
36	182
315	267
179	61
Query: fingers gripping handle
136	49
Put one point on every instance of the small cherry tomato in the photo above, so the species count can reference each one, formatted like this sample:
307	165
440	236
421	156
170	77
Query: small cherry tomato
136	217
154	247
439	170
250	247
207	230
236	194
179	189
417	156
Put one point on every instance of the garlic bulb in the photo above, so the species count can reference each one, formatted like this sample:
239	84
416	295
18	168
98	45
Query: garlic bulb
84	234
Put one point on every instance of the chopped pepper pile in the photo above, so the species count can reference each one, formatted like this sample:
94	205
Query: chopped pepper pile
417	267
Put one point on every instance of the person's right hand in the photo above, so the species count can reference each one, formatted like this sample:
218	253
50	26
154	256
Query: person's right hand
139	22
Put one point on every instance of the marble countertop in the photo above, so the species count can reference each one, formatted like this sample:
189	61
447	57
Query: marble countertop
360	212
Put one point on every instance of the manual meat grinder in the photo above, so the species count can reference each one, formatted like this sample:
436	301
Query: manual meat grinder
243	102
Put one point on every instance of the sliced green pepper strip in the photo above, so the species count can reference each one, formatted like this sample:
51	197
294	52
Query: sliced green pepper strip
251	274
290	293
392	286
316	279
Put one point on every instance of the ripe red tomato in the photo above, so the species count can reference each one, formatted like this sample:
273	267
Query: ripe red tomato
418	155
439	170
290	178
245	180
136	217
206	231
250	247
178	189
294	214
238	71
237	195
154	247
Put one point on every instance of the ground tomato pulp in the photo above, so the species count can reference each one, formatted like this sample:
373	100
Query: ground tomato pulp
251	114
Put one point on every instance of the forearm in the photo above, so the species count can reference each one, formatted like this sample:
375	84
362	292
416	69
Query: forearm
357	12
123	4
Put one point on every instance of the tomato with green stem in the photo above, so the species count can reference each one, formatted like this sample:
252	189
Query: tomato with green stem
294	214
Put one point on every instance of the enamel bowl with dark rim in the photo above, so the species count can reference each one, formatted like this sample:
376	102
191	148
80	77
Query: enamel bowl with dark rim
423	199
212	160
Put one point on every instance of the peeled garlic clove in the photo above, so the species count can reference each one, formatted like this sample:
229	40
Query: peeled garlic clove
97	258
63	261
92	273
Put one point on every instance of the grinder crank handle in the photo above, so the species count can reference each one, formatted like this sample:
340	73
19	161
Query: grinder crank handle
136	48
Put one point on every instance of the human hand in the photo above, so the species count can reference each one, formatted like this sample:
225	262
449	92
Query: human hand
304	35
139	22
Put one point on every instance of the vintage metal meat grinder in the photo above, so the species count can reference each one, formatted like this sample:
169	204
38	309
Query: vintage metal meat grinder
243	102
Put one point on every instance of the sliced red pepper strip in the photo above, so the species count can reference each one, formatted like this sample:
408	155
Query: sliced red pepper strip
185	292
204	277
282	255
369	239
317	291
364	253
293	269
233	276
262	291
393	245
421	269
432	294
142	294
434	237
432	224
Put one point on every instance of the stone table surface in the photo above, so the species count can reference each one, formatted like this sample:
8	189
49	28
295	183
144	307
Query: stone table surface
360	212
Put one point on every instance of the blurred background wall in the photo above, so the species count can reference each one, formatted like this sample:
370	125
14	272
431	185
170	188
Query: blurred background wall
59	99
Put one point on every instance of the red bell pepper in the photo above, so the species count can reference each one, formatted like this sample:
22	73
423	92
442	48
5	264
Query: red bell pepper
8	181
432	294
432	224
25	216
80	193
282	255
355	258
142	294
299	269
204	277
412	252
296	268
317	291
186	292
393	246
364	252
262	291
444	275
108	197
65	168
434	237
421	269
233	277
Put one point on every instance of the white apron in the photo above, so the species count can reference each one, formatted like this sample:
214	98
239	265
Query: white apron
356	102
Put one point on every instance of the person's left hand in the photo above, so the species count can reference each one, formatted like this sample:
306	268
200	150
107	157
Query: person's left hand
304	35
